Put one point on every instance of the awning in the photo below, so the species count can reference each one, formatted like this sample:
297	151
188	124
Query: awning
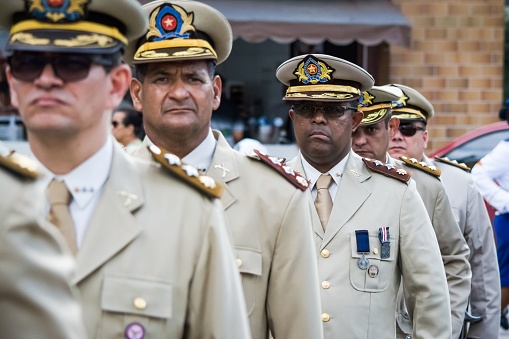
313	21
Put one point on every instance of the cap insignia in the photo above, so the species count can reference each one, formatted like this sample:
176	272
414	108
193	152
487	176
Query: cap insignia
401	102
455	163
313	71
388	170
57	10
366	99
288	173
412	162
168	22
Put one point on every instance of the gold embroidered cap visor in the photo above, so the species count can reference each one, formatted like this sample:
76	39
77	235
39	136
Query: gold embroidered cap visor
412	105
377	102
182	30
321	77
71	26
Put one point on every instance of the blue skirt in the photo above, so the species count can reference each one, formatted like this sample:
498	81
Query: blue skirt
501	225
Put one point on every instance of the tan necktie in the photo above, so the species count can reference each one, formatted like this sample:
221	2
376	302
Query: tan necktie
59	215
323	201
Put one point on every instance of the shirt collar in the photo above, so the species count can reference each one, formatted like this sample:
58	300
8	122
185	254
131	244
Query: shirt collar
312	173
201	156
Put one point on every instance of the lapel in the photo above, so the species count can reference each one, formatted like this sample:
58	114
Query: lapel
112	225
142	152
223	168
296	164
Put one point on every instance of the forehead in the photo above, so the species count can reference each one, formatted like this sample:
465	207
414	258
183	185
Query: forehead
177	66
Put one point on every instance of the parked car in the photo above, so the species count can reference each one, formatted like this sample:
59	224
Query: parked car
472	146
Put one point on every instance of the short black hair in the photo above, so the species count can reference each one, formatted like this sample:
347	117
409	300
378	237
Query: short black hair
132	117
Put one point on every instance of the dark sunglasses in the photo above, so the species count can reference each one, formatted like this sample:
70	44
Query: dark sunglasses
68	67
309	111
410	130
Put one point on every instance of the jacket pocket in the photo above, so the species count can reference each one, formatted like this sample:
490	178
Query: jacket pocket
249	263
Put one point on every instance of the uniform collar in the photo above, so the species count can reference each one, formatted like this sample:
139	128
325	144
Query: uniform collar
201	156
312	173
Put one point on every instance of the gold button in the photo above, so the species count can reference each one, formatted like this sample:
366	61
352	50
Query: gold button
325	253
325	317
325	284
140	303
375	250
238	262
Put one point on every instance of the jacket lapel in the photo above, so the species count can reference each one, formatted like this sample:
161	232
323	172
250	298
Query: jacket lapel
112	226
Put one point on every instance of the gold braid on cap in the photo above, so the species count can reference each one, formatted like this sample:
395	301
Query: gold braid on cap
374	113
408	113
323	88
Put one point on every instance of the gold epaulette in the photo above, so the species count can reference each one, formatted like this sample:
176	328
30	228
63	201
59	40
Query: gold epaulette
455	163
412	162
186	172
388	170
295	178
20	165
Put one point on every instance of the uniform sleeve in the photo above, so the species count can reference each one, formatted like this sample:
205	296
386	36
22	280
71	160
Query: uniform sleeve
216	307
36	298
293	291
485	296
455	254
424	281
487	171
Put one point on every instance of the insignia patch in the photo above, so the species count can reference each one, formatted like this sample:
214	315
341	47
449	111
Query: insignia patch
387	169
421	166
57	10
455	163
168	22
288	173
186	172
313	71
19	164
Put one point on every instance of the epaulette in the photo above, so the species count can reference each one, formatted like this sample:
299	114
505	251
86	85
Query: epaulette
412	162
387	169
20	165
279	165
454	163
188	173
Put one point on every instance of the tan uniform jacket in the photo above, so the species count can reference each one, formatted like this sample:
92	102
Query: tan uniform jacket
470	212
453	247
36	297
270	223
357	305
156	258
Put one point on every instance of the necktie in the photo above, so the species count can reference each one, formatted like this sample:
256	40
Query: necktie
323	201
59	215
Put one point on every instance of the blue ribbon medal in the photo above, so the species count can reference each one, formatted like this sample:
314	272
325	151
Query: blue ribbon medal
362	238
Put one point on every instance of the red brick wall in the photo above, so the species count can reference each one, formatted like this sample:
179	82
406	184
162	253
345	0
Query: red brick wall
456	60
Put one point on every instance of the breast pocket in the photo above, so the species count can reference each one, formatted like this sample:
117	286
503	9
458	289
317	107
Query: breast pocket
378	274
249	263
134	304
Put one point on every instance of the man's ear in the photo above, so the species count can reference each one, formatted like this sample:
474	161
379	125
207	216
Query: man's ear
119	77
217	86
135	88
425	137
393	126
356	120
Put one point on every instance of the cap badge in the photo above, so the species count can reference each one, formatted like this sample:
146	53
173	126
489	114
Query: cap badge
401	101
57	10
168	22
313	71
366	99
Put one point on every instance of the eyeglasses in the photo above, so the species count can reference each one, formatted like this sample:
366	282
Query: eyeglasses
329	112
410	130
68	67
115	123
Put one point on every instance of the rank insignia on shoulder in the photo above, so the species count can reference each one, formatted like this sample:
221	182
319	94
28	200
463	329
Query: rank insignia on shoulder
188	173
387	169
19	164
421	165
455	163
279	165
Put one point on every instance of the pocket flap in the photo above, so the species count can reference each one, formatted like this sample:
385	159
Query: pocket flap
249	261
137	296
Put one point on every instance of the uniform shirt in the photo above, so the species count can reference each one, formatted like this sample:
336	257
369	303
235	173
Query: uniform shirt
336	173
201	156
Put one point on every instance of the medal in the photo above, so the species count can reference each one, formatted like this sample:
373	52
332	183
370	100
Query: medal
383	235
362	238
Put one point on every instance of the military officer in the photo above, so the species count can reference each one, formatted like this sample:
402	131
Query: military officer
266	208
152	250
36	296
410	140
371	227
371	140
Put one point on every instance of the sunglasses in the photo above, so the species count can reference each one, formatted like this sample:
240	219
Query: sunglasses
410	130
68	67
329	112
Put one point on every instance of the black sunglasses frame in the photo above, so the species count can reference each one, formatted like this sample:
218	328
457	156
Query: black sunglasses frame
410	130
337	110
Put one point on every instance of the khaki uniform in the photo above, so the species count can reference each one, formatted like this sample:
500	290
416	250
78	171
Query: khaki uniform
36	298
156	259
453	247
269	220
356	305
470	212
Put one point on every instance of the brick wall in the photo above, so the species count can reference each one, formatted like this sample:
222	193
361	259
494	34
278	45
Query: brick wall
456	60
